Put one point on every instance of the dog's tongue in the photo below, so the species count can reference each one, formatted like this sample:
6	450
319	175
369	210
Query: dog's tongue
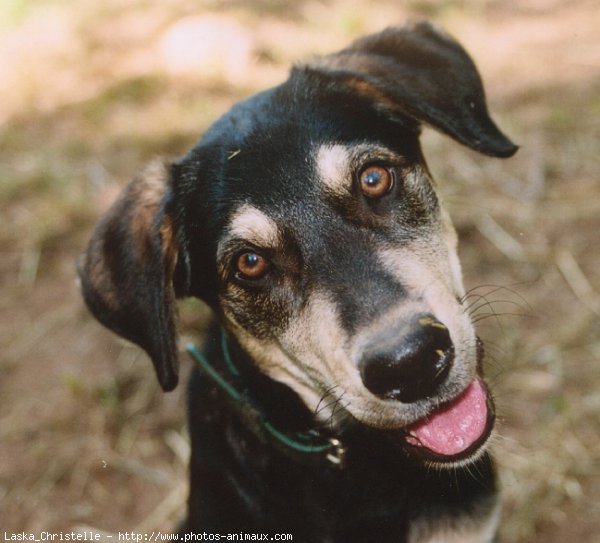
456	426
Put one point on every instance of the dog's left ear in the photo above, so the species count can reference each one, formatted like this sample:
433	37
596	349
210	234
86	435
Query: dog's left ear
132	272
424	74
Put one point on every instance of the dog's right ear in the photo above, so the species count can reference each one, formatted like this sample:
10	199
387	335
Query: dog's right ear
133	269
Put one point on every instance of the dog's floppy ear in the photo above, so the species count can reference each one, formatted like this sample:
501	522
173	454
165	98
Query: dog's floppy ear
425	74
130	274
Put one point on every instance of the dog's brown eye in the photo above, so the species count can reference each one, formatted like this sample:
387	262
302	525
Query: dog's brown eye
251	265
376	181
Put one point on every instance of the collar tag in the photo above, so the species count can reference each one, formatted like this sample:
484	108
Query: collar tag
338	456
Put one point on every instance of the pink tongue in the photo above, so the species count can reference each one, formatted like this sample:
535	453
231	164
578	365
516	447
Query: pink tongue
455	427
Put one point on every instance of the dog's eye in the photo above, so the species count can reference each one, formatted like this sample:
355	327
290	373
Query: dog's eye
251	265
376	181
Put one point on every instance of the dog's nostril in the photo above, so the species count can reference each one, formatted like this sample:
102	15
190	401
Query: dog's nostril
413	365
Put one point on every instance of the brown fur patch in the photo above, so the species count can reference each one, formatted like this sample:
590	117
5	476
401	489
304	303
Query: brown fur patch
135	212
367	90
358	63
144	197
478	528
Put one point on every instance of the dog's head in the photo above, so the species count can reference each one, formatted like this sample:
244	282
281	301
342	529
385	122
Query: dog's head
307	219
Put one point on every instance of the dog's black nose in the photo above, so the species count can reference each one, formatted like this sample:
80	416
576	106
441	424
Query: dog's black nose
410	364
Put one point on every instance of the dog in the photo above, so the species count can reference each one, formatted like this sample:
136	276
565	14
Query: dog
340	395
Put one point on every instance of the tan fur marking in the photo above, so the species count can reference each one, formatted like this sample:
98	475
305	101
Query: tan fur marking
332	165
462	530
252	225
451	241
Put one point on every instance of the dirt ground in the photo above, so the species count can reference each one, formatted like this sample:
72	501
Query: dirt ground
89	94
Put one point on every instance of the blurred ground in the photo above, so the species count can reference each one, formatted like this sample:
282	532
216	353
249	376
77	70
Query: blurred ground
89	93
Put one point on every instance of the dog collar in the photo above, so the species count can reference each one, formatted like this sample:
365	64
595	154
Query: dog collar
310	447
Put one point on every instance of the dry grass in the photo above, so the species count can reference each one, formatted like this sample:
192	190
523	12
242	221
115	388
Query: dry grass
89	95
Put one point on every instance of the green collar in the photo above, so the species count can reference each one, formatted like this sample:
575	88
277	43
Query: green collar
310	447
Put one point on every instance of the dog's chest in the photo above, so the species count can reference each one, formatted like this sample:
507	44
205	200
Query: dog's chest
463	529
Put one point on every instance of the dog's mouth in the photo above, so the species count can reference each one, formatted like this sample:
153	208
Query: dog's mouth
456	431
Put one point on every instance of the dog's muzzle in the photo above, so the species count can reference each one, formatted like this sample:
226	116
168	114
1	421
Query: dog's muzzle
410	364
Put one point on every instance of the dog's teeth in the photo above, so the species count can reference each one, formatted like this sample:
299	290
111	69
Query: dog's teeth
412	439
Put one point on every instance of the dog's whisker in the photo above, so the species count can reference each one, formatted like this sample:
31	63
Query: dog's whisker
485	316
496	287
328	405
496	355
472	294
492	304
468	309
489	303
328	392
336	406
